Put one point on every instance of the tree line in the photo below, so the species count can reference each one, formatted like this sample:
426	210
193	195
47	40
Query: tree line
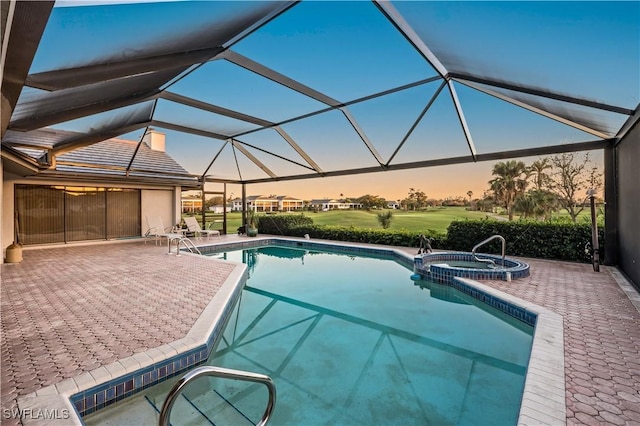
542	188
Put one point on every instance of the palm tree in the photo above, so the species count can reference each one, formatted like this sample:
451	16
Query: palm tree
525	205
538	167
511	181
536	203
546	203
384	218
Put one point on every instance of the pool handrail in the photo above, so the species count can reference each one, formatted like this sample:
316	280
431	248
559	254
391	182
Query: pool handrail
188	245
481	243
227	373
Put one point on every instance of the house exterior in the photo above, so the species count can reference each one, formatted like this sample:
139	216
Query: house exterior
262	203
101	191
325	204
219	208
287	203
191	204
393	204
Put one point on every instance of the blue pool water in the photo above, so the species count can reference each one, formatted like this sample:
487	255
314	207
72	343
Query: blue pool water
352	340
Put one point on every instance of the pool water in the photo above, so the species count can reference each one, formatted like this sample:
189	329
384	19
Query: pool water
467	264
352	340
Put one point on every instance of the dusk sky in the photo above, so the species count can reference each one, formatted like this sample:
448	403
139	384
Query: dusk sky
436	182
348	50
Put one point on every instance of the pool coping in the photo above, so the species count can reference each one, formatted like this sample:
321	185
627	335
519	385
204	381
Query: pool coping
434	266
58	400
543	399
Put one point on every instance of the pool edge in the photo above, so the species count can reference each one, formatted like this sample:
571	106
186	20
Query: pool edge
543	399
59	398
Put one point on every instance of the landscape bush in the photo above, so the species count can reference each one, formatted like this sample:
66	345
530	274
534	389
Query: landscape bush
298	226
557	240
278	224
560	241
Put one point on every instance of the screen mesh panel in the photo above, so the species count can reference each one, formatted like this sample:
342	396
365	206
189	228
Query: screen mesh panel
330	88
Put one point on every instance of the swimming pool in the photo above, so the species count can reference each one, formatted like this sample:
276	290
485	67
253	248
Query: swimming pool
352	340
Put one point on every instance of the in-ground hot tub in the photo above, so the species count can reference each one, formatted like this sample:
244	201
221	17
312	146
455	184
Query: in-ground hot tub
443	266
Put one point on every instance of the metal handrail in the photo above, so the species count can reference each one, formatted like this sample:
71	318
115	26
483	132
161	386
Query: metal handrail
493	237
227	373
190	246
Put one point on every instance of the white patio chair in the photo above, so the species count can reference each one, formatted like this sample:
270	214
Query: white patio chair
157	230
194	226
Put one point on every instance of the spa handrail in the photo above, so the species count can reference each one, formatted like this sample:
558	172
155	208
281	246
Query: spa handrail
226	373
493	237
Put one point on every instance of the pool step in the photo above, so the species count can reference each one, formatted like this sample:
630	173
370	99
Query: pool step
198	406
219	410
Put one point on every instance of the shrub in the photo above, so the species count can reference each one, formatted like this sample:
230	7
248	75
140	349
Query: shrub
560	241
299	225
384	218
279	224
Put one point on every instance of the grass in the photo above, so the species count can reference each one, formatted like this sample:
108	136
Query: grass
435	219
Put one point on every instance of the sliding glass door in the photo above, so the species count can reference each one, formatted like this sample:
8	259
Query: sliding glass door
85	213
123	213
39	214
52	214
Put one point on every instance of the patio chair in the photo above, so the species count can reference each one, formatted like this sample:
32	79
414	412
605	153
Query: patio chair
158	231
194	226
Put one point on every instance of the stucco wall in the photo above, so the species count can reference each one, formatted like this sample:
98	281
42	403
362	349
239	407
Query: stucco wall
2	210
157	203
628	156
7	212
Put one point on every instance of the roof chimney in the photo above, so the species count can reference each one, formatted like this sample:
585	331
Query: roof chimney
154	139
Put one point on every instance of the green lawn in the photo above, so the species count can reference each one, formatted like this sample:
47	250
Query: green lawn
437	219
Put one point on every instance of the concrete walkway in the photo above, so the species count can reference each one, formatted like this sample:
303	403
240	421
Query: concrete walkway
71	309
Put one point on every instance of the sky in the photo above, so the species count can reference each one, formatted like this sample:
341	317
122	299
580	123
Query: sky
437	182
349	50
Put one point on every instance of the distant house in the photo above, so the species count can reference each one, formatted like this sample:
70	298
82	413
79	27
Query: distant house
287	203
219	208
326	204
393	204
191	204
262	203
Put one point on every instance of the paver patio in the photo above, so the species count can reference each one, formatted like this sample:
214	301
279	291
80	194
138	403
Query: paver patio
71	309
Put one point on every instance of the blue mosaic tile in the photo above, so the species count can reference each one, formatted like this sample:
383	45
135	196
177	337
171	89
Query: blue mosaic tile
100	397
89	402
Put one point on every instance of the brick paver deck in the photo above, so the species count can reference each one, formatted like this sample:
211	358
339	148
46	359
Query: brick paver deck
602	338
71	309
